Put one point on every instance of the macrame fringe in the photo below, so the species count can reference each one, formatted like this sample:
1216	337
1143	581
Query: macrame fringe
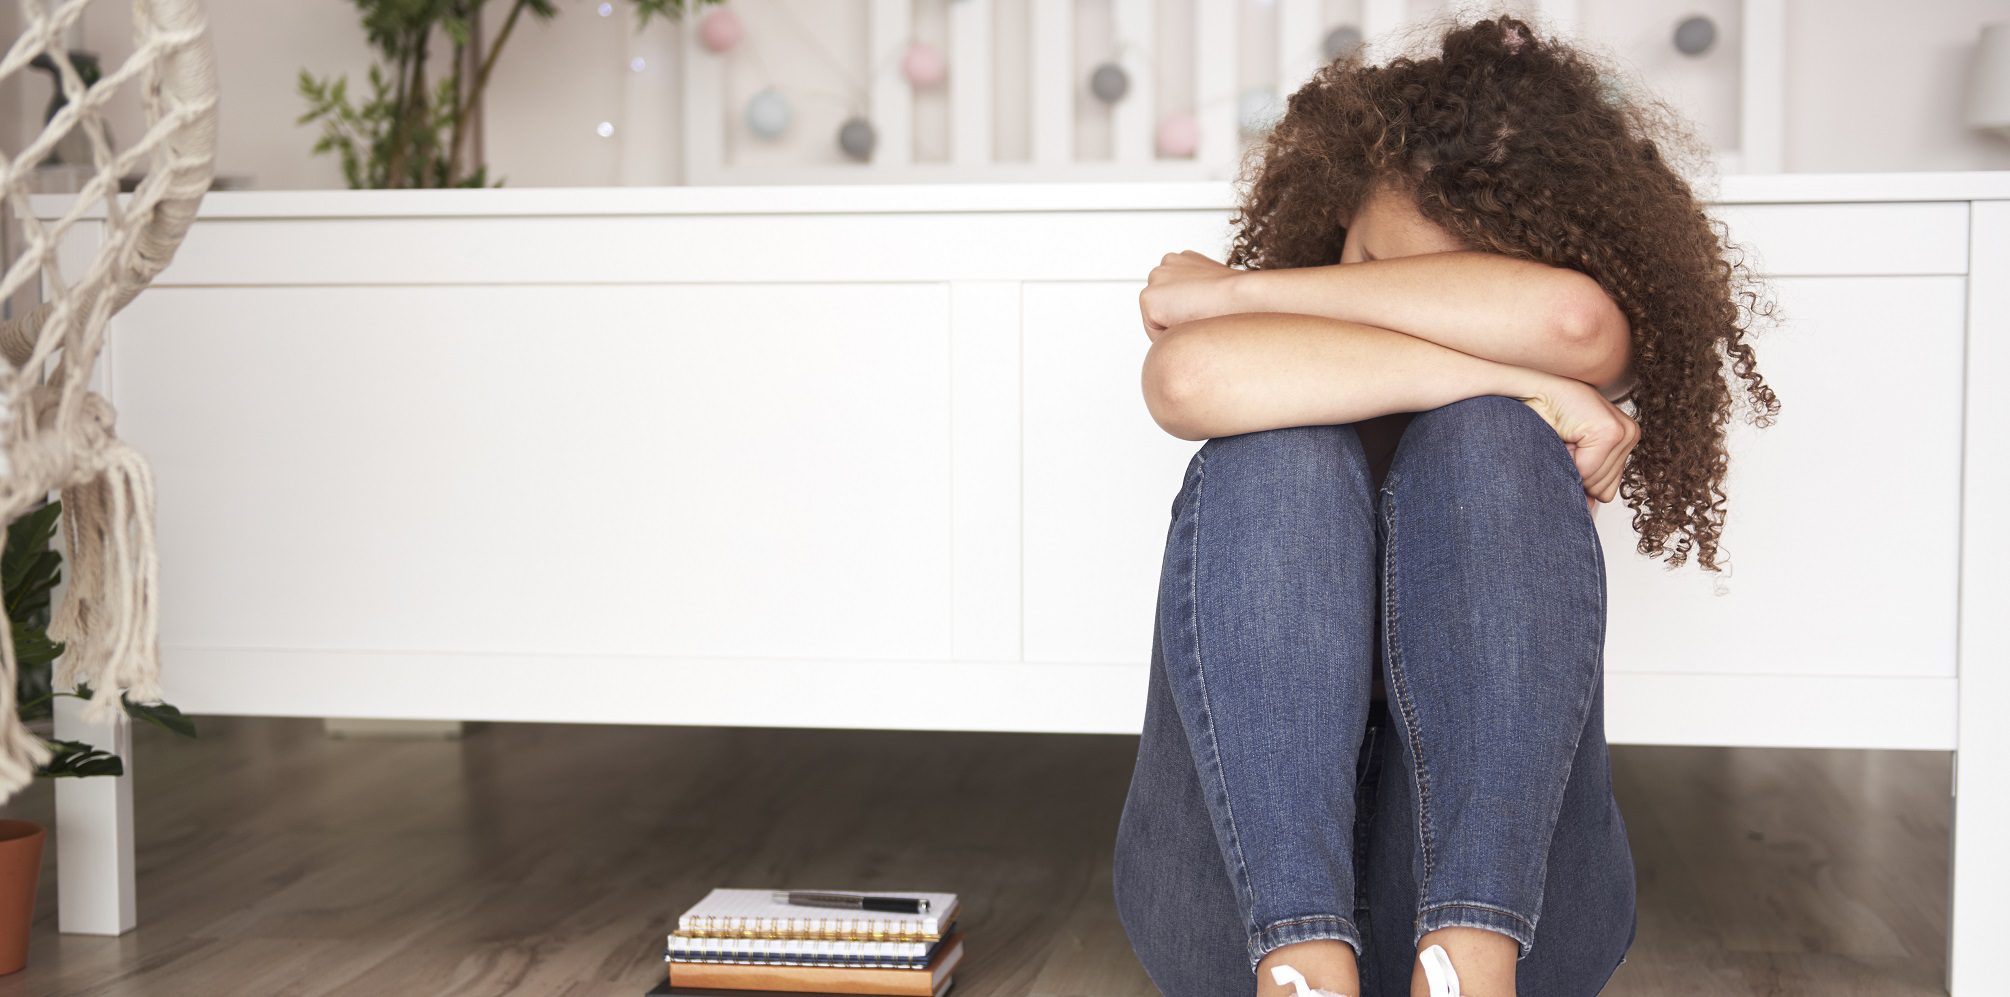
109	618
109	621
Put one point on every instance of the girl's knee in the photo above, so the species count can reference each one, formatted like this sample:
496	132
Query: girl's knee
1326	450
1482	422
1489	446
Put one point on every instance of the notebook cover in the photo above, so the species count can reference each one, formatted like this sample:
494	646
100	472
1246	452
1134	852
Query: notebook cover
820	979
754	905
664	989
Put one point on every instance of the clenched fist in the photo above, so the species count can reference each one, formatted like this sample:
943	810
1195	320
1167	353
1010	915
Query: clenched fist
1598	434
1185	286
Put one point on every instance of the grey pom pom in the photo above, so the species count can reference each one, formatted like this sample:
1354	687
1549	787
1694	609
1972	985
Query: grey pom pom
1109	83
1695	35
856	137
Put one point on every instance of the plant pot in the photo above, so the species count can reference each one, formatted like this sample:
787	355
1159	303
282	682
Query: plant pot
20	866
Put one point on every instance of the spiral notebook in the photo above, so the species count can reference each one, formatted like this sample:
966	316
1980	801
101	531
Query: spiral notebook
727	912
929	981
804	952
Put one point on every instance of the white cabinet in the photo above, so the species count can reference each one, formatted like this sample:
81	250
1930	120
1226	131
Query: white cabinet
878	457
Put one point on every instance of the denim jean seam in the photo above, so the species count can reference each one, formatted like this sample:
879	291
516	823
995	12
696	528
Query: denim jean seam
1305	927
1521	927
1200	670
1364	816
1400	684
1477	905
1598	562
1583	708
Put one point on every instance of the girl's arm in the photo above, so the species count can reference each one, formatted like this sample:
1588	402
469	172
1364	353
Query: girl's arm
1485	304
1245	372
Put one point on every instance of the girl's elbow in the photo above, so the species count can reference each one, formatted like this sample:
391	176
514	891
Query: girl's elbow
1593	327
1174	388
1584	313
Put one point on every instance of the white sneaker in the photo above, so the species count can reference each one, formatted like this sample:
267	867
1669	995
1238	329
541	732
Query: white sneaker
1439	976
1285	974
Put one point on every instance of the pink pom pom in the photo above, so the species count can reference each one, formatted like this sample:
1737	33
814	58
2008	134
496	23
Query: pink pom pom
1178	136
923	65
720	30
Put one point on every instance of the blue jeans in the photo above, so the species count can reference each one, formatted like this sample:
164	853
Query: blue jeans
1275	800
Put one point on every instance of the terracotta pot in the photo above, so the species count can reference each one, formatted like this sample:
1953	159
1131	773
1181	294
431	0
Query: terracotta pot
20	866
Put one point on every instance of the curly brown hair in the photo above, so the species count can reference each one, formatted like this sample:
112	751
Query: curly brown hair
1527	146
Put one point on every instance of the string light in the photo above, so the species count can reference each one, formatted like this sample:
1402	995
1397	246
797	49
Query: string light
768	113
606	129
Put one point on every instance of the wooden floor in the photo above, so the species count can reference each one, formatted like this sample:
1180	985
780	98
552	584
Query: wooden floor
535	859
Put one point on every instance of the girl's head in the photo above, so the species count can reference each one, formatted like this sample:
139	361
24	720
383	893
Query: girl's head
1513	143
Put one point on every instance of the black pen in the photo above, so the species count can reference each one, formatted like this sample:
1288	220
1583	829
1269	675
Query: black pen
855	901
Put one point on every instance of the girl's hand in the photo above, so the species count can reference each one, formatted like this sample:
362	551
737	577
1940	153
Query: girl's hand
1185	286
1598	435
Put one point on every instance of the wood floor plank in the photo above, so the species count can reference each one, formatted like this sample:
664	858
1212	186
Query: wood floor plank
527	859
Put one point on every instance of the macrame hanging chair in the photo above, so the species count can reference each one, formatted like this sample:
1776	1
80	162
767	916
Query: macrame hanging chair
55	433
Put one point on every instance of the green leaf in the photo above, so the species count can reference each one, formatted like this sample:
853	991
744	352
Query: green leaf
29	598
32	647
27	538
162	715
77	759
670	10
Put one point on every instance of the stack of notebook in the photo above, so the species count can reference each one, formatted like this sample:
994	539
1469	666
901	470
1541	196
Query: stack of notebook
744	939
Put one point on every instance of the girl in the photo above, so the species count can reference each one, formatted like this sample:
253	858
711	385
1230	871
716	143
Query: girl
1374	729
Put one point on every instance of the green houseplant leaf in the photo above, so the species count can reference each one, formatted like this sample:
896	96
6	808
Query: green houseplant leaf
163	715
75	758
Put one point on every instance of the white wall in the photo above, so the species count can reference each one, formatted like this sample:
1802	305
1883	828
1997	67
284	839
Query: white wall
1849	110
1871	85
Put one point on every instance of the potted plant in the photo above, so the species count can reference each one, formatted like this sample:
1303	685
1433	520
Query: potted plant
30	568
415	130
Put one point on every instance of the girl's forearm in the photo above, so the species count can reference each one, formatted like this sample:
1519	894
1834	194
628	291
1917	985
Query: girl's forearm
1485	304
1246	372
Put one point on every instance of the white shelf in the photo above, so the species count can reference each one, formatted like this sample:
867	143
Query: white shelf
909	198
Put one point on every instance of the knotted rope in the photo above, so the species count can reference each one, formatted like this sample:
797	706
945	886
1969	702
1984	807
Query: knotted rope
55	433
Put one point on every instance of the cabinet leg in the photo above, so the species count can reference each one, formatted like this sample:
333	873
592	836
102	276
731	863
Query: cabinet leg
94	831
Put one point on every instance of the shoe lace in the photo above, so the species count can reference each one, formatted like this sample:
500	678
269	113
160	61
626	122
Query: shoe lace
1285	974
1440	979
